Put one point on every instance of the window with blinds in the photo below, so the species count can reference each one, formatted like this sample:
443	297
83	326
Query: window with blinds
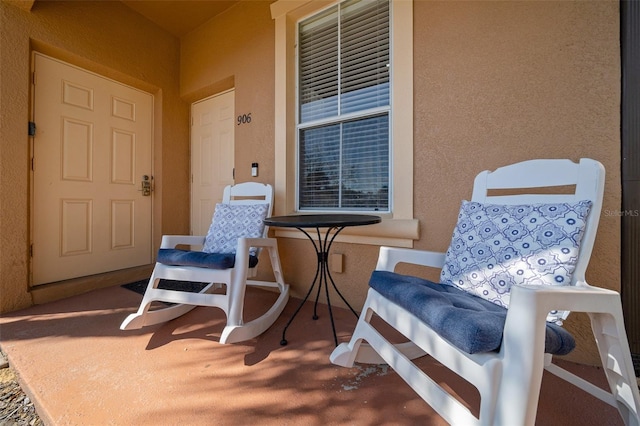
343	98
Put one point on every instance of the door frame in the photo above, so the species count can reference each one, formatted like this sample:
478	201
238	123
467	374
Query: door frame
630	161
67	288
191	174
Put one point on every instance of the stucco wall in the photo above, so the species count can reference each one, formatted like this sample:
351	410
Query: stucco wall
112	40
501	82
494	83
236	49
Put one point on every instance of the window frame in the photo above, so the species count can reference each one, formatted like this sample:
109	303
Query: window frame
399	227
339	119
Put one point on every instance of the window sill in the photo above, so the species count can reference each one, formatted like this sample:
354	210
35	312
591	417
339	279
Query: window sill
390	232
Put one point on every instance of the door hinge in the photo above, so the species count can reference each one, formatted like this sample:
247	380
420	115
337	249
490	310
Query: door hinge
32	128
31	250
233	173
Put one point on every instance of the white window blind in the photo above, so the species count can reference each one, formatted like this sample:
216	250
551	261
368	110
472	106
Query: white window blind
343	129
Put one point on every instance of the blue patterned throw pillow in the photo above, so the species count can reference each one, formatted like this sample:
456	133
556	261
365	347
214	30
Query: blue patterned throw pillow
233	221
497	246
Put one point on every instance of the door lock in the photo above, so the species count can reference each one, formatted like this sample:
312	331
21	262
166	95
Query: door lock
146	186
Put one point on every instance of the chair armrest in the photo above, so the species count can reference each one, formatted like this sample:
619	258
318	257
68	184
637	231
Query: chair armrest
389	257
245	243
580	298
530	304
171	241
524	329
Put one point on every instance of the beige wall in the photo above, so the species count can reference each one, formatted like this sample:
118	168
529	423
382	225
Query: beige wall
494	83
110	39
501	82
236	49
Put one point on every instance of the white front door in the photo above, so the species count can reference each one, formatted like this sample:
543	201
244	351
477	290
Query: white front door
212	155
91	149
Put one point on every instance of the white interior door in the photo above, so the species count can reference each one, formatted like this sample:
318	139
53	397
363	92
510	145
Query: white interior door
91	149
212	156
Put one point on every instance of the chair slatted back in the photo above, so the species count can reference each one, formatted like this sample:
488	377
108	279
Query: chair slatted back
250	193
536	182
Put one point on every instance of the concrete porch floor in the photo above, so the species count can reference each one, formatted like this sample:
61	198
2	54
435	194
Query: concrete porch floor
80	369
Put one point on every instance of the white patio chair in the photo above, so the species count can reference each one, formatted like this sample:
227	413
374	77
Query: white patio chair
229	257
505	363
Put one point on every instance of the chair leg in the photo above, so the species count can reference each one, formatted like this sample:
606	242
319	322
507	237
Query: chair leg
346	354
144	316
137	320
366	339
235	294
613	346
232	303
611	339
142	319
238	333
360	351
236	329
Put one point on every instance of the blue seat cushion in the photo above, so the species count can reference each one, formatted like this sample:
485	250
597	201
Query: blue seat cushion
177	257
469	322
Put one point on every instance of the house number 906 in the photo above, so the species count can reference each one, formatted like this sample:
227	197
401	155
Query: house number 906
244	119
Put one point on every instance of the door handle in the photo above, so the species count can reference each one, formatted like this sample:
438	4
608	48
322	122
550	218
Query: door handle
146	186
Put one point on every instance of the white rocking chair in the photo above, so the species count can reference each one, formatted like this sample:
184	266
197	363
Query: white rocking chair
508	377
217	269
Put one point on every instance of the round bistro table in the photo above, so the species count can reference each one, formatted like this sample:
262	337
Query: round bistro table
333	223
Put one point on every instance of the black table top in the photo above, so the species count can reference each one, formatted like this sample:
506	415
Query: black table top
326	220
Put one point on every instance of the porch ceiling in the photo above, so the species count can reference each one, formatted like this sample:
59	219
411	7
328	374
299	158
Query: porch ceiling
179	17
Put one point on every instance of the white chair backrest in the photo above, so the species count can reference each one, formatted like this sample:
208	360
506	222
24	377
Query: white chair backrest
250	193
546	176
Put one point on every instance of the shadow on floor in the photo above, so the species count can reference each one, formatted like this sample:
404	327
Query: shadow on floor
79	368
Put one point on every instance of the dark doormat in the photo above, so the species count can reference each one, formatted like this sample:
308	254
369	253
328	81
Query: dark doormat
140	286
